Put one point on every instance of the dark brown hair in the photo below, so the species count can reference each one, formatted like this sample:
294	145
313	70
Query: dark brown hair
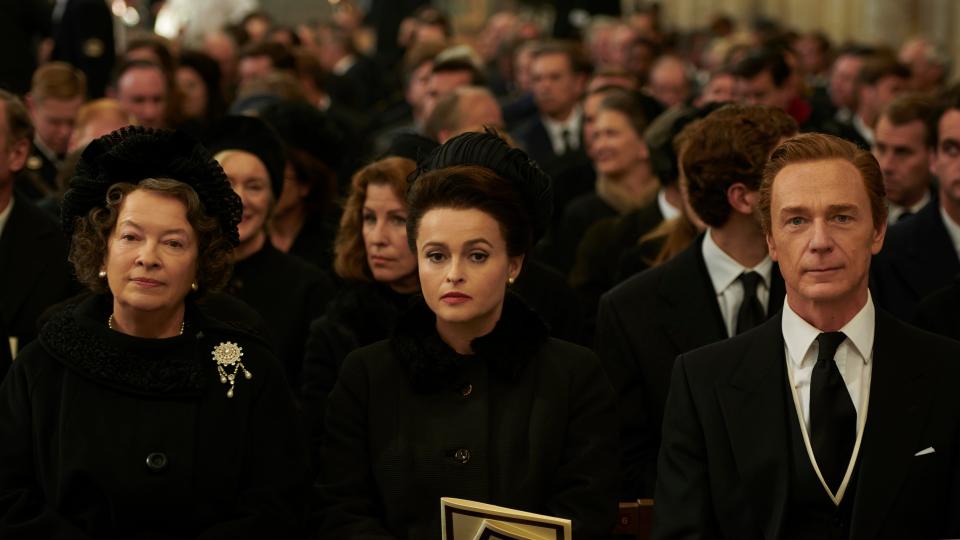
19	127
907	108
625	103
809	147
350	253
730	145
465	187
89	246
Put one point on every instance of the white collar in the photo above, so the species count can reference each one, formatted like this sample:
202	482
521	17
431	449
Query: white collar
667	210
799	335
723	270
4	217
953	229
894	211
863	129
572	123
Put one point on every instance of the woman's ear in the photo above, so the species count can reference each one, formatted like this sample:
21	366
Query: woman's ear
514	265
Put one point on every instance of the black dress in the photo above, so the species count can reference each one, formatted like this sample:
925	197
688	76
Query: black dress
288	293
527	422
111	436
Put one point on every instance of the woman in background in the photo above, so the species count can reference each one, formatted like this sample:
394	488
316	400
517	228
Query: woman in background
135	415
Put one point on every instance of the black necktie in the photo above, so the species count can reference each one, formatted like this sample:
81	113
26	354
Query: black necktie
565	137
751	310
833	419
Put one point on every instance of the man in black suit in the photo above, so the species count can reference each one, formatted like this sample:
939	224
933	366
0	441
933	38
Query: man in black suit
720	286
922	254
34	273
553	137
768	434
904	148
57	92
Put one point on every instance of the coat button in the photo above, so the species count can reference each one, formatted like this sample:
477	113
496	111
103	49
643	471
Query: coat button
156	461
466	390
462	456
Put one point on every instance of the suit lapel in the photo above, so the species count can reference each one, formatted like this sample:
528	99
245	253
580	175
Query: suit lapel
691	315
931	253
752	403
891	435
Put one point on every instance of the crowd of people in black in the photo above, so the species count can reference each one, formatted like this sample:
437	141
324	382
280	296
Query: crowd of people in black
284	282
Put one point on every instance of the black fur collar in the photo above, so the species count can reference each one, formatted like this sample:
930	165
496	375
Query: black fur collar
79	338
432	365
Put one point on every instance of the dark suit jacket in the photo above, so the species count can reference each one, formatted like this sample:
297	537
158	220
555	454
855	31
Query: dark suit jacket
918	258
84	38
724	463
34	272
642	325
940	312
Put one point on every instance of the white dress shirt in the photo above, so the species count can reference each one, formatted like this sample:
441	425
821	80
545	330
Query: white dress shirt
854	358
894	211
555	131
953	229
725	272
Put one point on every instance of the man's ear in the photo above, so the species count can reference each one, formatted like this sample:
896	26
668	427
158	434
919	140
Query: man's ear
741	198
17	155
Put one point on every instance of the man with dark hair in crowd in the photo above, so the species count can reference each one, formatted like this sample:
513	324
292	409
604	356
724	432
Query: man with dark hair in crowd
558	79
880	79
353	77
143	90
764	77
922	254
904	149
834	103
448	74
56	94
257	60
722	285
34	273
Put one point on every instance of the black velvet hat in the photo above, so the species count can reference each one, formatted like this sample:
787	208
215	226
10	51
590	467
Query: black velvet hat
252	135
490	151
135	153
412	146
303	126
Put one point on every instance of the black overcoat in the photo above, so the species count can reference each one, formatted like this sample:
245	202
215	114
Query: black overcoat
109	436
527	422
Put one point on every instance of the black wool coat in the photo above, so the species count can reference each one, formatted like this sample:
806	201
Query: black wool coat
110	436
527	422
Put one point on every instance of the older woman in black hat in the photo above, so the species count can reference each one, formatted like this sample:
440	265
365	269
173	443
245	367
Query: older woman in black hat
286	291
134	415
470	398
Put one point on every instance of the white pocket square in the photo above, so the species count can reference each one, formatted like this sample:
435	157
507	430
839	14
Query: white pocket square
924	452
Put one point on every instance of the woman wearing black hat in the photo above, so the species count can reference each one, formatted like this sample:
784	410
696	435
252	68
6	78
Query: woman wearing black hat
134	415
286	291
470	398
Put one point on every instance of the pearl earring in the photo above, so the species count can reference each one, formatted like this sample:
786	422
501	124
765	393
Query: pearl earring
510	281
102	274
194	287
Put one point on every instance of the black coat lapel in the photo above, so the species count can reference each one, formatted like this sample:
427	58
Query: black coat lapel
752	402
691	315
891	435
930	254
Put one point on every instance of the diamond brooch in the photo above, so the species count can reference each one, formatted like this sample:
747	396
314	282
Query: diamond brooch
228	356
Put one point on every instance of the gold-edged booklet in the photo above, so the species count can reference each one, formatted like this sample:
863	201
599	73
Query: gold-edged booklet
471	520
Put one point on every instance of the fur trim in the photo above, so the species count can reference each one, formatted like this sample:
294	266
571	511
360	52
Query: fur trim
78	337
432	365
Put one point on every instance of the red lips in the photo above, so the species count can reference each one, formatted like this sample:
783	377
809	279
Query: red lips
146	282
455	297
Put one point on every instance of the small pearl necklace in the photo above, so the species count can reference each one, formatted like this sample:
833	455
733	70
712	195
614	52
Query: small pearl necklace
110	324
